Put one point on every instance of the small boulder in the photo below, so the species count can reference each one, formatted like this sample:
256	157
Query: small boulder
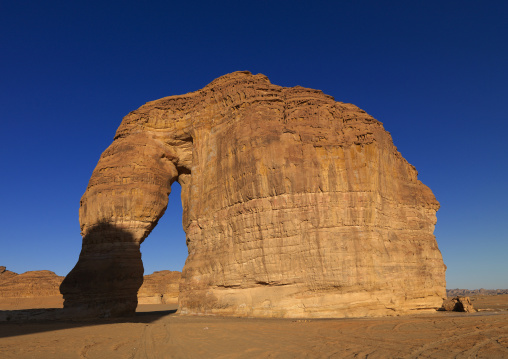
458	304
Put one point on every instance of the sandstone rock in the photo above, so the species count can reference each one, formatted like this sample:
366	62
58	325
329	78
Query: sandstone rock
458	304
160	288
33	284
294	205
6	274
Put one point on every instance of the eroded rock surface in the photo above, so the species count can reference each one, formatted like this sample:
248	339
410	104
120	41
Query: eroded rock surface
32	284
6	274
160	287
294	205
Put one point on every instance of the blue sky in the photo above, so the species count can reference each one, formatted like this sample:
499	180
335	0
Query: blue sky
434	72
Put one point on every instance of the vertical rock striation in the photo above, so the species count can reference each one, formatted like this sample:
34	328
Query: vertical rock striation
294	205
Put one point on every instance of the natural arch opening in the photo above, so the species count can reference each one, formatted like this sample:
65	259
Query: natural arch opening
165	248
163	253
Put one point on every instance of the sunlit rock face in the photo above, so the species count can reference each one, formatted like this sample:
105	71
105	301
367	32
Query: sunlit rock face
161	287
32	284
294	205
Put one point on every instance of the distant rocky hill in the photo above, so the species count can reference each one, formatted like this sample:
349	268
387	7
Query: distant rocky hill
158	288
6	274
43	283
469	292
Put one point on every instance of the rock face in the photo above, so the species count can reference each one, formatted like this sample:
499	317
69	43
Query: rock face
33	284
6	274
294	205
458	304
160	288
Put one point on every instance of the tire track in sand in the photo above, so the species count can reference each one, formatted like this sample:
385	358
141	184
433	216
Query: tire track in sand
157	342
474	350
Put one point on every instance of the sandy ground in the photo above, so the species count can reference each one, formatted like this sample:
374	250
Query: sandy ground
158	332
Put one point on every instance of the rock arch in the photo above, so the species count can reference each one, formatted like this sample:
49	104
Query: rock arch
294	205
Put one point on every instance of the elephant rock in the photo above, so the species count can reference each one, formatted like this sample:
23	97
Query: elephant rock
294	205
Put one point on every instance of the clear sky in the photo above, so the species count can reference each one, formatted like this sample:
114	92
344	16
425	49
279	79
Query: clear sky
435	73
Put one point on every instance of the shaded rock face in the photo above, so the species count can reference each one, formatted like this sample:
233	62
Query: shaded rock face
294	205
109	272
160	288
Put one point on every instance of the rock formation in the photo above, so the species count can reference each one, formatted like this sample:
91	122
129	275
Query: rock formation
6	274
33	284
294	205
458	304
160	288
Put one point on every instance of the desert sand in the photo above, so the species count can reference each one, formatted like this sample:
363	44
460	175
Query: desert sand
157	331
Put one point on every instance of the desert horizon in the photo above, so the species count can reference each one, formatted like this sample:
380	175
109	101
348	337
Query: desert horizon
36	326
